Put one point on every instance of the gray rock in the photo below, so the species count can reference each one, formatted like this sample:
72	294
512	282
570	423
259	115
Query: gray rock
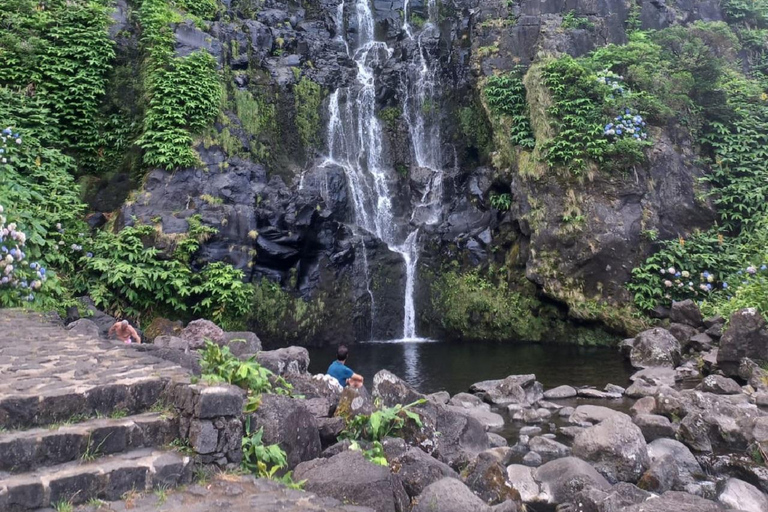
417	470
615	499
521	480
352	479
740	495
592	414
449	495
197	331
289	423
530	431
172	342
654	426
496	440
682	333
560	392
470	405
84	327
647	382
746	336
597	394
441	397
548	449
719	385
562	478
673	501
486	477
393	390
685	312
616	447
353	402
515	389
285	361
661	476
242	343
532	459
655	347
701	342
645	405
613	388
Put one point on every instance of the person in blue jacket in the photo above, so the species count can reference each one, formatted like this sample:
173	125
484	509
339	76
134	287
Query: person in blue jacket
342	372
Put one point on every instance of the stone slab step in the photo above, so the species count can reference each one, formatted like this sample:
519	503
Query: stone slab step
31	449
133	395
107	478
231	493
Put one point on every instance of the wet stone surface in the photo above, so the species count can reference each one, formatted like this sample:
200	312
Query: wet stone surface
49	374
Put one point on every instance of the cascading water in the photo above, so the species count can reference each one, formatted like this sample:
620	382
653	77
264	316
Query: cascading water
421	114
354	144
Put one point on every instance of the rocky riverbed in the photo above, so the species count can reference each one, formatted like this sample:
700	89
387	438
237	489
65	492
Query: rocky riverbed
689	434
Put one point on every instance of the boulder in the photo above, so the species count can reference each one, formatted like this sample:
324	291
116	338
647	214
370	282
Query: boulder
349	477
515	389
647	382
645	405
285	361
548	449
682	333
673	501
660	477
597	394
352	402
685	312
486	477
688	468
616	447
654	426
289	423
655	347
591	414
740	495
560	392
755	376
484	416
84	327
701	342
417	470
615	499
393	390
746	336
560	479
521	480
441	397
496	440
449	495
719	385
242	344
170	342
532	459
316	386
197	331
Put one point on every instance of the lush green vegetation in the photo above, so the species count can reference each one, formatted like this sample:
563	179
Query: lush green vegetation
728	111
373	428
505	96
57	62
477	307
219	365
308	96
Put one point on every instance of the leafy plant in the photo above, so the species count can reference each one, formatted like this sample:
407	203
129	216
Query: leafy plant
218	364
505	96
572	21
265	461
308	96
384	422
500	202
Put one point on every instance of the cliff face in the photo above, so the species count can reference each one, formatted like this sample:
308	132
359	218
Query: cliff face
286	214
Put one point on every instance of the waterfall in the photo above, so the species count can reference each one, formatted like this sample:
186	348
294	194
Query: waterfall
419	109
354	144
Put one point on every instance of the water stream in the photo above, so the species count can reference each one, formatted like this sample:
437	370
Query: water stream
355	144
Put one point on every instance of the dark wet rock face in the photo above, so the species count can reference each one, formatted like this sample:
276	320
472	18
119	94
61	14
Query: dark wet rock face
746	336
284	214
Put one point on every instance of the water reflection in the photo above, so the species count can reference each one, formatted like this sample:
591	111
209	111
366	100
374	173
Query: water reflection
453	367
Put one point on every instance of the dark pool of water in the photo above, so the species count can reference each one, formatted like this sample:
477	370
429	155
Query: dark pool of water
453	367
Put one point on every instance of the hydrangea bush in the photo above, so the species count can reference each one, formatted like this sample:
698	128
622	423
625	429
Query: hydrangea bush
20	277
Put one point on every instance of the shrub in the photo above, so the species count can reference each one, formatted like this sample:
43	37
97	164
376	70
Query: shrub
308	96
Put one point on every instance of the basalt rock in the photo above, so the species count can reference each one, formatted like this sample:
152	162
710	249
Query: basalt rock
746	336
616	447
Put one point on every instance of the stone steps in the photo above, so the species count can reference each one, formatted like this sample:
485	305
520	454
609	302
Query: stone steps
132	394
107	478
28	450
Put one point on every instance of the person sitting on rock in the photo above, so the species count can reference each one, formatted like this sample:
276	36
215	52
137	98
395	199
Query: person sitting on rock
124	332
341	372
